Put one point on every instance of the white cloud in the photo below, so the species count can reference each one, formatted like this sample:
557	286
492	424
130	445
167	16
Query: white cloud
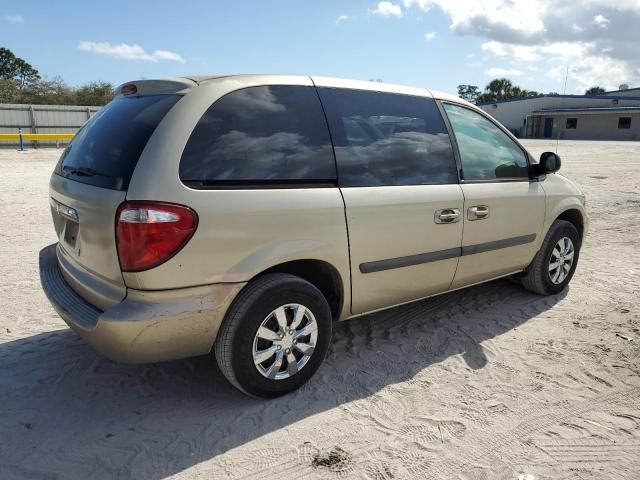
532	53
503	72
601	21
520	15
525	53
388	9
342	18
529	53
14	19
567	49
430	35
551	34
129	52
160	55
594	70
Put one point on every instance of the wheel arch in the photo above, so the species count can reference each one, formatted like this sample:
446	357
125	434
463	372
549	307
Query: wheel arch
575	217
321	274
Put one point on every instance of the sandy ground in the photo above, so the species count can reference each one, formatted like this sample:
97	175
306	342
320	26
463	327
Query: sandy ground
488	383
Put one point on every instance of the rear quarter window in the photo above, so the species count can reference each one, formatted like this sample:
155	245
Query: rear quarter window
260	135
106	149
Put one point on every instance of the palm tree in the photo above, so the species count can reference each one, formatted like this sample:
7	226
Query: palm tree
502	89
595	91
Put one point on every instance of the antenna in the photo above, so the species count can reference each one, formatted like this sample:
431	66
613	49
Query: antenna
564	92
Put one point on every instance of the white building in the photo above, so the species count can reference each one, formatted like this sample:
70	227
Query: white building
609	116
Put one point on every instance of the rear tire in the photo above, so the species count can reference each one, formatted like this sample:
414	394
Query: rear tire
261	320
556	261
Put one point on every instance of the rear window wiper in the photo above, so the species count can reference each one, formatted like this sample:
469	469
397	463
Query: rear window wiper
82	171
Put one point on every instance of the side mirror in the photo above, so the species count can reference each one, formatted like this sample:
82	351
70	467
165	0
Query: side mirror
549	163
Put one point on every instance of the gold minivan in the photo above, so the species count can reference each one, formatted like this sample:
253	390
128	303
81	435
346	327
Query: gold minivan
244	214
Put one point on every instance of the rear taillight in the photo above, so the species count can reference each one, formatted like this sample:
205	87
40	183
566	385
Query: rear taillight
150	233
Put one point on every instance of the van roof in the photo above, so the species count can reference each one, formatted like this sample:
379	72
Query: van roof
186	82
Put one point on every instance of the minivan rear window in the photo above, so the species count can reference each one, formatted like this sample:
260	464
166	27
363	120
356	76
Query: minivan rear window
106	149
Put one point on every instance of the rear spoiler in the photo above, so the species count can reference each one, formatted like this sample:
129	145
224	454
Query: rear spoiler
155	87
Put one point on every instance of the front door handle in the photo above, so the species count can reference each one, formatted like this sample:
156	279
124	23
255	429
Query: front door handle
447	215
479	212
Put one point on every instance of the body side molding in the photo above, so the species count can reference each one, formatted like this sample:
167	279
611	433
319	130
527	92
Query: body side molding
420	258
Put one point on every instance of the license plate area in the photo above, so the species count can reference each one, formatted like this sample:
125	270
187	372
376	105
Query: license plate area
70	232
67	222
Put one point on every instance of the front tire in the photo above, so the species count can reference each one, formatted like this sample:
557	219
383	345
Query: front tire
556	261
274	336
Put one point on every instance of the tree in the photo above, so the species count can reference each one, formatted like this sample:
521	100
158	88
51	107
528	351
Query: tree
25	74
468	92
8	91
502	89
94	93
7	63
16	69
52	91
21	83
595	91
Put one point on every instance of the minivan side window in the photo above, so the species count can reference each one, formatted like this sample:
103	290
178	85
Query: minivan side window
486	152
388	139
265	134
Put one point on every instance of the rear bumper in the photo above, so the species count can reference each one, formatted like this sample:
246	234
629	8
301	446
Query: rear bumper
147	326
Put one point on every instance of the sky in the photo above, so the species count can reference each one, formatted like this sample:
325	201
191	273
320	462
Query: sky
437	44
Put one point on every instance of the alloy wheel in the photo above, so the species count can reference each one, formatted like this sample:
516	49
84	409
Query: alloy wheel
285	341
561	260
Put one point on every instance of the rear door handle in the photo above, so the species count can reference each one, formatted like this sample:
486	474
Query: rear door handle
478	212
447	215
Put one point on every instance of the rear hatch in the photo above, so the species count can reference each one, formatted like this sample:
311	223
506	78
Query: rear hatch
90	181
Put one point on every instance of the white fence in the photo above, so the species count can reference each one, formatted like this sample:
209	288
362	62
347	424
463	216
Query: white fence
42	119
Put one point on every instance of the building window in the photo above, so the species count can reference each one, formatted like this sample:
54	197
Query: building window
572	123
624	122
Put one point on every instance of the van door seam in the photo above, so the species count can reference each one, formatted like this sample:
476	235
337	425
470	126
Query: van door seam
344	203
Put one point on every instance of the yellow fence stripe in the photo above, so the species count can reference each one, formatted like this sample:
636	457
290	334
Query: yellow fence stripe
36	136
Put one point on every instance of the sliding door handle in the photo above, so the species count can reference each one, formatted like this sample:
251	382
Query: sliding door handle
479	212
447	215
